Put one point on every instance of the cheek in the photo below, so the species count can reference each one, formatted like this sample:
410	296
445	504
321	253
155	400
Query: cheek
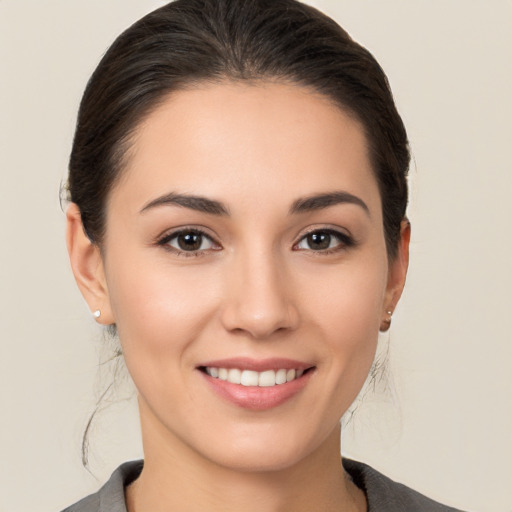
160	313
159	308
348	302
345	307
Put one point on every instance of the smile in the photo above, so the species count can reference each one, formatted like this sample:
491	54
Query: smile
254	384
267	378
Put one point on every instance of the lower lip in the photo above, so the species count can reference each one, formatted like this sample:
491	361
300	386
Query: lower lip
257	398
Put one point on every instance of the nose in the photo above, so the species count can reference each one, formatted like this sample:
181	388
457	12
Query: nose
260	300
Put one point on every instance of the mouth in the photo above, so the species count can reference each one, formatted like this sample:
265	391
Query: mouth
257	385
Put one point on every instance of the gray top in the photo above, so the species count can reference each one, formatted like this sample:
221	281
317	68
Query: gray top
382	494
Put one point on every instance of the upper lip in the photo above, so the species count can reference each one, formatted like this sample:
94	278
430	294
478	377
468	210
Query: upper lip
257	365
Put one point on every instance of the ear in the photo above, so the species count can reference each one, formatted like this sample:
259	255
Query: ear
396	275
87	265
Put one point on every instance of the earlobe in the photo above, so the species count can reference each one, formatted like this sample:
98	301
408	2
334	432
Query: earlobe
397	275
87	265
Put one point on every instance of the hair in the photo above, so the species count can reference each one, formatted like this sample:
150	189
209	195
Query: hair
188	42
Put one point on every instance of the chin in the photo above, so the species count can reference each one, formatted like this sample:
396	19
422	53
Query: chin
257	460
268	451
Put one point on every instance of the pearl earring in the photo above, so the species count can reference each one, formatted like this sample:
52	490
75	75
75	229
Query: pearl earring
97	314
386	324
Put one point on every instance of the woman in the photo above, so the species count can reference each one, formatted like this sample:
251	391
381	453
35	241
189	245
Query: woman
238	195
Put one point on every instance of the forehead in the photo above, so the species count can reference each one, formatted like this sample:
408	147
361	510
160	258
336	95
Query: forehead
255	143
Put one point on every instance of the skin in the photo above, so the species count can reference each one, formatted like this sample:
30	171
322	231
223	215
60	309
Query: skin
257	288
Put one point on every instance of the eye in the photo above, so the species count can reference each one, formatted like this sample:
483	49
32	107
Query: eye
190	241
326	240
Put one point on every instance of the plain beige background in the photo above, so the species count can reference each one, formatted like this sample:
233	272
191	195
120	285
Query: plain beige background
446	427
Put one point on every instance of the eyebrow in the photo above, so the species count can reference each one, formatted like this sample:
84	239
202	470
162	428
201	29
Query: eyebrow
213	207
201	204
320	201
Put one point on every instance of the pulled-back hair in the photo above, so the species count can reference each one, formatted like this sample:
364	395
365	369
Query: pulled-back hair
187	42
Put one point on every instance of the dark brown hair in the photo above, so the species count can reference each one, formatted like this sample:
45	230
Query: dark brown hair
192	41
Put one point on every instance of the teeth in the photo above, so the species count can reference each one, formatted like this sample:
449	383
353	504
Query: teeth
280	376
234	376
267	378
249	378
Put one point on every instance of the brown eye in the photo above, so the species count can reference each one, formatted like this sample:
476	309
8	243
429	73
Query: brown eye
324	240
319	241
190	241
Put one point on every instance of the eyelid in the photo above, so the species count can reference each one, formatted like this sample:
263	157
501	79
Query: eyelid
186	228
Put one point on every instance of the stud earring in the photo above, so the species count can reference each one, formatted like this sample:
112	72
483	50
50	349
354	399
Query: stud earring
97	314
386	323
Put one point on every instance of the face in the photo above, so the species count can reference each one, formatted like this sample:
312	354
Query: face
245	242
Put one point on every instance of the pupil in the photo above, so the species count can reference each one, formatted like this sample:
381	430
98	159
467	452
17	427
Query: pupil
189	242
319	240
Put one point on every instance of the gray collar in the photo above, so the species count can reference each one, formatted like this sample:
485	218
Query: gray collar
382	493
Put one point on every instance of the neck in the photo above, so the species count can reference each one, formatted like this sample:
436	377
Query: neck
175	477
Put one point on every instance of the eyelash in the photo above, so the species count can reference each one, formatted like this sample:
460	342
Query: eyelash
345	242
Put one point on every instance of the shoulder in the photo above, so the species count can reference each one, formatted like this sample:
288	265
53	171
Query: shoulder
385	495
110	498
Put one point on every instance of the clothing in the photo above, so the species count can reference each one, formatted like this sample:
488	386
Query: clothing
382	494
